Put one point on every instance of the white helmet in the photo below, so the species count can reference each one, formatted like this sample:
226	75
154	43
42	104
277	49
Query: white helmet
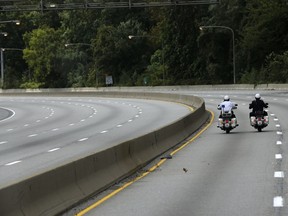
257	96
226	98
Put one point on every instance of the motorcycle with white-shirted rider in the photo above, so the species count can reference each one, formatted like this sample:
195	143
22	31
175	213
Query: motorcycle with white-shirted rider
259	118
227	119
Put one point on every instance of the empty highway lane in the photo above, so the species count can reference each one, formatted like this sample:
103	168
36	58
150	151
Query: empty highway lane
40	133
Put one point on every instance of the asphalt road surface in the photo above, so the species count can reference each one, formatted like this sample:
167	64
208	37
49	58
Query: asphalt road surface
41	133
243	173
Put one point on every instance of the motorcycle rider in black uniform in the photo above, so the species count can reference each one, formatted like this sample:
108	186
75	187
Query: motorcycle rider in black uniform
258	105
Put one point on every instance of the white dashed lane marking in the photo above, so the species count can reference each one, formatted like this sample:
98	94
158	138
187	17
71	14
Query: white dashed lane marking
52	112
83	139
33	135
12	163
279	174
278	201
52	150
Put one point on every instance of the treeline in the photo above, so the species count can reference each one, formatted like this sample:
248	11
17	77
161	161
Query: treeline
166	45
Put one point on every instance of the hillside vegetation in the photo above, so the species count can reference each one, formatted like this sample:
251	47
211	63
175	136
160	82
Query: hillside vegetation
168	47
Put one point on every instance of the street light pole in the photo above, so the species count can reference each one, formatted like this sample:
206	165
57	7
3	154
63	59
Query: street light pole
17	22
5	34
2	62
83	44
162	53
2	68
233	45
77	44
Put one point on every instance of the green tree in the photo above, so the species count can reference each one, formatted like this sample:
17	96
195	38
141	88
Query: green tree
276	68
115	54
180	33
43	56
265	31
229	13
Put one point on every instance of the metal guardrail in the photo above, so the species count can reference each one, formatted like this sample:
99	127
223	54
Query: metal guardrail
14	5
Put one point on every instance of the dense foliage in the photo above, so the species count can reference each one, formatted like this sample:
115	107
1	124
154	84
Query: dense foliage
167	46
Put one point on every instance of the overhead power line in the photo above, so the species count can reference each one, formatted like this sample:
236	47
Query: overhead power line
20	5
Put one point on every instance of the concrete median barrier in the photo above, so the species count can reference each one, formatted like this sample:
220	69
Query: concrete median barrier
52	192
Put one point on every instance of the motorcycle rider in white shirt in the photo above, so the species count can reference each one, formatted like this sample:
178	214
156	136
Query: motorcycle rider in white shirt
227	106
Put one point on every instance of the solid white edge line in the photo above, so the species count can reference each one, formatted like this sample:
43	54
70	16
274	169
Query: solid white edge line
13	113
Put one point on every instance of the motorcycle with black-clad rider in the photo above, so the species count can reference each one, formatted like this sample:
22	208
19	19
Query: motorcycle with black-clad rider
258	117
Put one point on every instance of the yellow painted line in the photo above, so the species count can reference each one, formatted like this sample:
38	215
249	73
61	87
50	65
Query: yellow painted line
189	107
196	135
99	202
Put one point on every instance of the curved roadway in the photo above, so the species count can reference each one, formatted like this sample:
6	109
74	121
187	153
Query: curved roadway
241	173
40	133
